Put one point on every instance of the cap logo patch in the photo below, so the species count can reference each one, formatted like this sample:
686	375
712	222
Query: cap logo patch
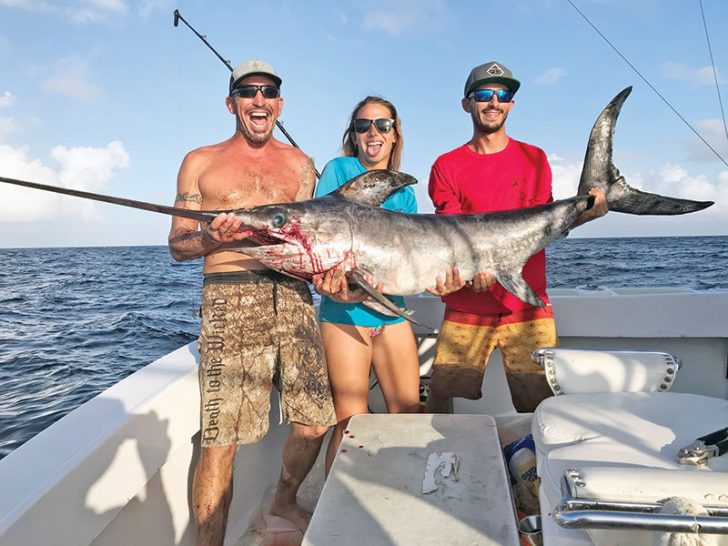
495	70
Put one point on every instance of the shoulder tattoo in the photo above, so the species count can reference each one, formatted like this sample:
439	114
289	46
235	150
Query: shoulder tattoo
189	197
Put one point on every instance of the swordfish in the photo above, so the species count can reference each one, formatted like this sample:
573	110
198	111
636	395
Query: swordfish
406	252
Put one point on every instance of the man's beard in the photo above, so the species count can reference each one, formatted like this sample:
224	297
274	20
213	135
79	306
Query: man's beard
485	127
257	138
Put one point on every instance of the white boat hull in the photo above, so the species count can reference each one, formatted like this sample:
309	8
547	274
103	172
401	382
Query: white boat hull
118	469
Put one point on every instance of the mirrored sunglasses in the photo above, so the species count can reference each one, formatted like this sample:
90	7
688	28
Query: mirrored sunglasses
249	91
362	125
486	95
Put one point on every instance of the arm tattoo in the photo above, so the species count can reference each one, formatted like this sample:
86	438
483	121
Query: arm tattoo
192	244
305	191
191	197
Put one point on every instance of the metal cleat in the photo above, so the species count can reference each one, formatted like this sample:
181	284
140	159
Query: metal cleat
714	444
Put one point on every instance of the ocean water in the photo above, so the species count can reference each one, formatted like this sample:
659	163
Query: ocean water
74	321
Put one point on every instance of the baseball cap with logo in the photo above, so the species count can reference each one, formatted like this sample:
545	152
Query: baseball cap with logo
248	68
491	72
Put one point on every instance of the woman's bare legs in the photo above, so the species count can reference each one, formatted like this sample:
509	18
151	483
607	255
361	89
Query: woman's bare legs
394	355
350	353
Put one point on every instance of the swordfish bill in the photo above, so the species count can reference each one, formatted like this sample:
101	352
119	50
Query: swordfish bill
200	215
599	172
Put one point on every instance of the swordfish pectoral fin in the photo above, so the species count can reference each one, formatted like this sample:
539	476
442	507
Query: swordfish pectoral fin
379	308
519	288
381	301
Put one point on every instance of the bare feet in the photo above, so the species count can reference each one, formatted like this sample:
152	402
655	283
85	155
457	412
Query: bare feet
292	513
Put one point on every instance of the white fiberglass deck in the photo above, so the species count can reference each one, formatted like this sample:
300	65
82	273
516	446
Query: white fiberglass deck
374	494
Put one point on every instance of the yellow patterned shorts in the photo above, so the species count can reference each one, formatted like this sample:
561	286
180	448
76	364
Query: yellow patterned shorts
466	341
259	328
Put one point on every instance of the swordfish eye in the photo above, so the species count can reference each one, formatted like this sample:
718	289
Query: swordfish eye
279	219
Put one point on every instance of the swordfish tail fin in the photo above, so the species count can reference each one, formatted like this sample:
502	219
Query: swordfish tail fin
200	215
599	172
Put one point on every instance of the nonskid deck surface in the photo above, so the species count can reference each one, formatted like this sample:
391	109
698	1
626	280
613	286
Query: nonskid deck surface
416	479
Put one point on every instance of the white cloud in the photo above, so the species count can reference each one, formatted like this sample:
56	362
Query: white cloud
95	11
714	132
550	76
674	180
6	100
565	177
86	168
70	77
342	17
89	168
20	204
396	18
7	124
697	76
148	7
78	12
30	5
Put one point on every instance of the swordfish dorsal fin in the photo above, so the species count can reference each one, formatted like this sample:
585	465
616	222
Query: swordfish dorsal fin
599	172
373	187
199	215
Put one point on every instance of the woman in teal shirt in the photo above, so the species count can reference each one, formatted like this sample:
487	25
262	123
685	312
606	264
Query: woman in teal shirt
355	336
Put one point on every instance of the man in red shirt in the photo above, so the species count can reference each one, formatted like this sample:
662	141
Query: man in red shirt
491	173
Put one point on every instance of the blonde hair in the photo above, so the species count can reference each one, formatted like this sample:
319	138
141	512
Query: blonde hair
349	147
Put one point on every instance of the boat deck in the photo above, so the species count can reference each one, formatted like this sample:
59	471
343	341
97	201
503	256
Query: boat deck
417	479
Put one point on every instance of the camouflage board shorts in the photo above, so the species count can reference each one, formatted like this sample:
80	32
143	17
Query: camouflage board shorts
258	329
466	341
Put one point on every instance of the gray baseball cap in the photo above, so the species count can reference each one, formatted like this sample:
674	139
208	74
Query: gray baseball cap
248	68
491	72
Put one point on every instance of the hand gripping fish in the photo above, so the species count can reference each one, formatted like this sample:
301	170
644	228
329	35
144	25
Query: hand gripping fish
406	252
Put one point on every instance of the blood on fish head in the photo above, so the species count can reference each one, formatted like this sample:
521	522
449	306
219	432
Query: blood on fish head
296	239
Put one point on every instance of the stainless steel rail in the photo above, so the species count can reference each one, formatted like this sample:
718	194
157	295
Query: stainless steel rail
583	513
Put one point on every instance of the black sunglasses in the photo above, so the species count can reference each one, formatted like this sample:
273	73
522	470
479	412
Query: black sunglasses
249	91
362	125
486	95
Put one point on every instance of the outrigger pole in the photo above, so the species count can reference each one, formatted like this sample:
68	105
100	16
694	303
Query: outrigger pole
177	18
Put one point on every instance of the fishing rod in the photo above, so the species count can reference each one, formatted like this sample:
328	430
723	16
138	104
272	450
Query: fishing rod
177	18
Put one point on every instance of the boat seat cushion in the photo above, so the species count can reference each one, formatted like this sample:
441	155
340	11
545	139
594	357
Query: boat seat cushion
572	371
622	430
635	435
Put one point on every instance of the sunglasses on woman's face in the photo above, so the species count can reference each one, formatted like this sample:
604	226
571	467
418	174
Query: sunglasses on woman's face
362	125
249	91
486	95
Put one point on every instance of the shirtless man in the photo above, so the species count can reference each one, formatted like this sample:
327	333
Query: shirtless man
258	326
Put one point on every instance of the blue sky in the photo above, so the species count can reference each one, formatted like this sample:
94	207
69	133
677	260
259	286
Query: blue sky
108	96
